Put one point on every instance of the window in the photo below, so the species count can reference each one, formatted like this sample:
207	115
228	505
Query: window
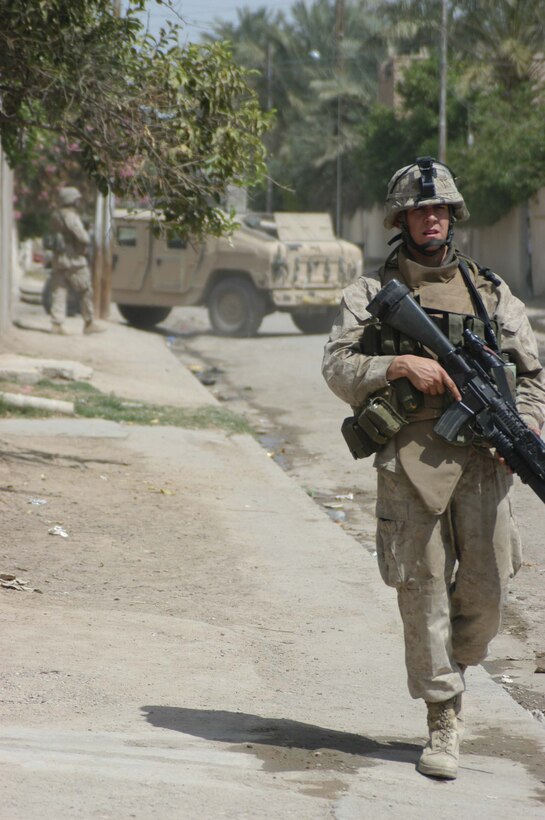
174	241
126	236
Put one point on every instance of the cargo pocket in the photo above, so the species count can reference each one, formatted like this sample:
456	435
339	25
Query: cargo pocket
396	508
388	534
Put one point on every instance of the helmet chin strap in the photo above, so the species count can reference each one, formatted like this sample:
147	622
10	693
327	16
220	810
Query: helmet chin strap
431	247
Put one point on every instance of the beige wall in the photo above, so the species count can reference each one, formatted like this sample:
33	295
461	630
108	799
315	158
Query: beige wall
365	228
503	247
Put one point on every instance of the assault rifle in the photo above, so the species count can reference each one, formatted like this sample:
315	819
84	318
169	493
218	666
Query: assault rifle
479	374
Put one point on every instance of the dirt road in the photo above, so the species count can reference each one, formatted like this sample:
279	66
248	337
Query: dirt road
275	381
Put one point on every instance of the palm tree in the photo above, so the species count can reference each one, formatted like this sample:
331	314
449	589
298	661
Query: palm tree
495	42
500	39
321	82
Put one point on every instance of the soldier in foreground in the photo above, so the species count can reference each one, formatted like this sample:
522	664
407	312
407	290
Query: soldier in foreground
70	268
446	537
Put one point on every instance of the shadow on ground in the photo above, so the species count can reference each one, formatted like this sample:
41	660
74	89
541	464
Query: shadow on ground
291	739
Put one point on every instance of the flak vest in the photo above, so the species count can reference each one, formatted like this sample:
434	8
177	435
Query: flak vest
432	465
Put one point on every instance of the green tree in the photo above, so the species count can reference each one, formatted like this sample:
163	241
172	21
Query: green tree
499	41
49	164
259	43
150	119
505	165
494	42
337	94
308	65
392	138
495	107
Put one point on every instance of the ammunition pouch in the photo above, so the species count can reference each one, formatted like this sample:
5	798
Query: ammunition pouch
372	427
380	339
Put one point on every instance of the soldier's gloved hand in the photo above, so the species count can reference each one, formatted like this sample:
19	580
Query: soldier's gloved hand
426	375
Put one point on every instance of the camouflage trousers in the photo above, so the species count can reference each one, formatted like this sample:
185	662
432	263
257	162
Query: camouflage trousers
451	571
79	279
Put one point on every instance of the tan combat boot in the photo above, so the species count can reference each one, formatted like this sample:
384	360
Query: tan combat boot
58	329
440	755
458	711
93	327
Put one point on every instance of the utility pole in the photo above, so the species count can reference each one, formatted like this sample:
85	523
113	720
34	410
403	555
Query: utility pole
339	36
6	243
269	76
102	257
443	83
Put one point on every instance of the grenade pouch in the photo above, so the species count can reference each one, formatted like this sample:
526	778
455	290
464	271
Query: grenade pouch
372	427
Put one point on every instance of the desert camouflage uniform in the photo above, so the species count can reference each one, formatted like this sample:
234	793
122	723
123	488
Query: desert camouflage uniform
70	268
446	536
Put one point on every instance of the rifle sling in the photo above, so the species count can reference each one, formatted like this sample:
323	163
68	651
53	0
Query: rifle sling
482	312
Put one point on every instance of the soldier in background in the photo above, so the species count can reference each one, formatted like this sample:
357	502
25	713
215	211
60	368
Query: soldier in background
446	537
70	267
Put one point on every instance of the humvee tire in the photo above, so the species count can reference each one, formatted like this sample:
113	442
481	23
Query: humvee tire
310	322
142	316
235	307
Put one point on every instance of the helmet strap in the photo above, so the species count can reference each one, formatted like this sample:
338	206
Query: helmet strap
431	247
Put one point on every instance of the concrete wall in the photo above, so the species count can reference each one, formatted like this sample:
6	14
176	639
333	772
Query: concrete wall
365	228
514	247
536	217
504	247
6	244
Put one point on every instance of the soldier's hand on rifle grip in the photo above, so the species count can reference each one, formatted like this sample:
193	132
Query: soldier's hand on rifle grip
501	459
426	375
504	463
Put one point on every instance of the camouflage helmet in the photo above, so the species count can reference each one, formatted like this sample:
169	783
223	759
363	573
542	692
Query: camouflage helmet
69	196
426	182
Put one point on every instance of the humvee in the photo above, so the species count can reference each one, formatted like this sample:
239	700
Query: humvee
289	262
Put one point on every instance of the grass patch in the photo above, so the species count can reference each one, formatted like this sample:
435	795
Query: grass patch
27	412
92	403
